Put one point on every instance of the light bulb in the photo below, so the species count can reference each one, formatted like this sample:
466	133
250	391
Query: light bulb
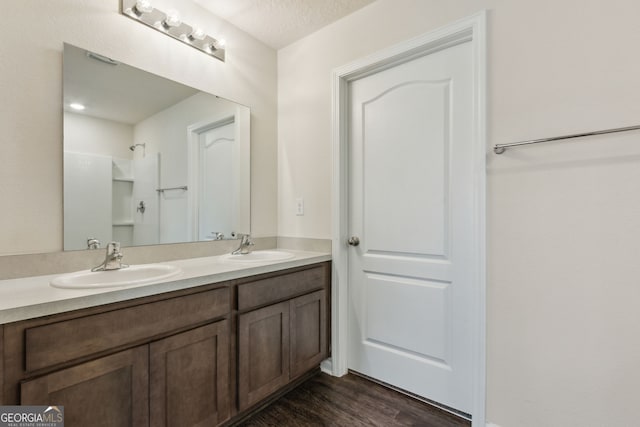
218	44
172	19
197	34
142	6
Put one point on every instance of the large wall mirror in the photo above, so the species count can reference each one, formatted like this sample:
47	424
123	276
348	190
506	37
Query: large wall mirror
148	160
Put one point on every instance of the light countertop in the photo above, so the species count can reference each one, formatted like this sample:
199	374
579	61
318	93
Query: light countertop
32	297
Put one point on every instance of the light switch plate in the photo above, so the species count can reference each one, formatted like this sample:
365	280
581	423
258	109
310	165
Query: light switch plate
299	206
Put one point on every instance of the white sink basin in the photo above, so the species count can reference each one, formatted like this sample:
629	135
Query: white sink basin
134	275
258	256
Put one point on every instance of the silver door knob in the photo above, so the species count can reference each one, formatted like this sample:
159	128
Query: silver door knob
353	241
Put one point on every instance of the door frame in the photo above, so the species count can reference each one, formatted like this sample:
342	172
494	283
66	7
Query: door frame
193	154
241	119
471	29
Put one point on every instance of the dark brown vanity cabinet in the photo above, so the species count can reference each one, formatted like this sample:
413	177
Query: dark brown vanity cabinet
161	362
182	380
286	336
194	357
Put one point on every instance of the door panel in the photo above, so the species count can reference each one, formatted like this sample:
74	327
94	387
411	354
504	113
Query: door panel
190	377
263	353
390	130
308	332
392	303
110	391
410	203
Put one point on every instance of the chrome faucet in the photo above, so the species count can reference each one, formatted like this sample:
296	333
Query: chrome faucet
245	245
93	243
113	259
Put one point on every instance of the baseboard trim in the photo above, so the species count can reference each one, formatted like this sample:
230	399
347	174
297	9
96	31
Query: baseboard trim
327	367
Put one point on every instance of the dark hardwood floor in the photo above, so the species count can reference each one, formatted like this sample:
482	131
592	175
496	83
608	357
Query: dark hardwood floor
350	401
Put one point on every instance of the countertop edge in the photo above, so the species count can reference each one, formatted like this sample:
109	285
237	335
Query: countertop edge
112	295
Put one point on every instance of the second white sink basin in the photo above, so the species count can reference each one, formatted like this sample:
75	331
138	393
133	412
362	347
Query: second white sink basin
259	256
133	275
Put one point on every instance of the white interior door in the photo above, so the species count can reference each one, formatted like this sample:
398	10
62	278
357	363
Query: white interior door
411	195
218	182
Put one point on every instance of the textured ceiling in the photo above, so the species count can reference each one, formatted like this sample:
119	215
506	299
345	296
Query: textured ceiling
278	23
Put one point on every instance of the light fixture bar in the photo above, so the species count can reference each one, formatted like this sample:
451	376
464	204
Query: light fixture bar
170	24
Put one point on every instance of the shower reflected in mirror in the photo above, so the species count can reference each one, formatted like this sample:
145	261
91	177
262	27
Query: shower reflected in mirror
133	148
149	160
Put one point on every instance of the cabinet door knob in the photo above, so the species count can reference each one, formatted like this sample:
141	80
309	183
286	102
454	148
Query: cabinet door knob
353	241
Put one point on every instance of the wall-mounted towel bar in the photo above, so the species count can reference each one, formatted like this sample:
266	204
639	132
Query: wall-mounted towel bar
500	148
162	190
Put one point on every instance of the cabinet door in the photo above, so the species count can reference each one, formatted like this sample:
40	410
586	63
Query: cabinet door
112	391
308	332
190	377
263	353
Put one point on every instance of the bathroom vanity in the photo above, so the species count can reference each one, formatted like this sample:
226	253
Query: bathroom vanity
206	348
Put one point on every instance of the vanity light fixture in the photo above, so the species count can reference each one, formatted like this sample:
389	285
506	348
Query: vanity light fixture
170	24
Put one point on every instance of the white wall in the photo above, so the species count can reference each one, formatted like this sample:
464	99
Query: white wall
31	111
563	220
86	134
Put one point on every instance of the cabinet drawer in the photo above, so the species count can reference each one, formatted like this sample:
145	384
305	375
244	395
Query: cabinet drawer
267	291
55	343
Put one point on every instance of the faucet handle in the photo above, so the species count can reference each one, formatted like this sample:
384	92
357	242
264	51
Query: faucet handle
93	243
